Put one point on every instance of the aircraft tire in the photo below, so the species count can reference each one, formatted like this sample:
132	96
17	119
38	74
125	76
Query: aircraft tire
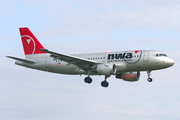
149	80
88	80
104	84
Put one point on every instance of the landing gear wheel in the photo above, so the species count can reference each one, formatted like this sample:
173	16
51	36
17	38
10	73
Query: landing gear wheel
149	74
88	80
104	84
149	79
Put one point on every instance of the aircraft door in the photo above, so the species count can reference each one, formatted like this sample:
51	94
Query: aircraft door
47	62
104	59
146	56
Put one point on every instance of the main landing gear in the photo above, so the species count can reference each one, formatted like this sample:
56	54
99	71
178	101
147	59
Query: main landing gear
149	79
88	80
103	83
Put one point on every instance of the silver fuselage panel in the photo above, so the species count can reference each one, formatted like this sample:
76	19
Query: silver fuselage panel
126	61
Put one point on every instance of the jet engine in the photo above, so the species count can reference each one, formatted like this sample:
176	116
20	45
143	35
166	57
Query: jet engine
106	69
129	76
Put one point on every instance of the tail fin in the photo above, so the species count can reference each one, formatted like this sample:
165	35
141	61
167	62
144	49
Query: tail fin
30	43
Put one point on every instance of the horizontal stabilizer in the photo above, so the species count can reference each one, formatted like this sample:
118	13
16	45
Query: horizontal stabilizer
22	60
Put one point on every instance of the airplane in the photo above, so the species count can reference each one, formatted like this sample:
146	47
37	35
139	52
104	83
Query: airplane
125	65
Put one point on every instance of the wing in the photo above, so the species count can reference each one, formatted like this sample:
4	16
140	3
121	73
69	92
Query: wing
79	62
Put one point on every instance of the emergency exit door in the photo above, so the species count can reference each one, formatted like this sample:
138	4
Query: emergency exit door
146	56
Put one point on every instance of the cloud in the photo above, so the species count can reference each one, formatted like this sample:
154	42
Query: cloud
81	20
6	7
7	10
153	17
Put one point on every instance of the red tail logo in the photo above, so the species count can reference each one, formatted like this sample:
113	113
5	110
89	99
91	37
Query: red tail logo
30	43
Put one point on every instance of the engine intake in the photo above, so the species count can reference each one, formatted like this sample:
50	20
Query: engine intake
129	76
106	69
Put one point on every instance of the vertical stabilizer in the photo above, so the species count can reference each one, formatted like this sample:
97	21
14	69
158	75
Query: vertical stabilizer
30	43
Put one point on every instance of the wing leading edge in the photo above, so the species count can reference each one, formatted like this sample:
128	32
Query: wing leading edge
79	62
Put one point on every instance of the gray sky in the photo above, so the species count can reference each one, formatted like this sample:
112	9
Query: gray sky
69	26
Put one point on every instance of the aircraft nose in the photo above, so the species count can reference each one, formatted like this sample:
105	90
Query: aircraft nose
170	62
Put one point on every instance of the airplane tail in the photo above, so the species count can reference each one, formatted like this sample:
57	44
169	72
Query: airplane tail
30	43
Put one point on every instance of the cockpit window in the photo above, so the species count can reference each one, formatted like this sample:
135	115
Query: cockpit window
163	55
160	55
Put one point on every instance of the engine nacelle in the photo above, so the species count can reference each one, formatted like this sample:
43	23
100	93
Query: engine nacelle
106	69
129	76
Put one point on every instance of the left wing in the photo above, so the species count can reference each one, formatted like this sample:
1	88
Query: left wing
79	62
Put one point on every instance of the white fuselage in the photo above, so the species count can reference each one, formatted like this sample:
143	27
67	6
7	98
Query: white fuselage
124	65
126	61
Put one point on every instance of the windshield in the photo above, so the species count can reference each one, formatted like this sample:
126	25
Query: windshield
160	55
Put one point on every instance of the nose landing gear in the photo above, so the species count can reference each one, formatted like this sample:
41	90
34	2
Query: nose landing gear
149	79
